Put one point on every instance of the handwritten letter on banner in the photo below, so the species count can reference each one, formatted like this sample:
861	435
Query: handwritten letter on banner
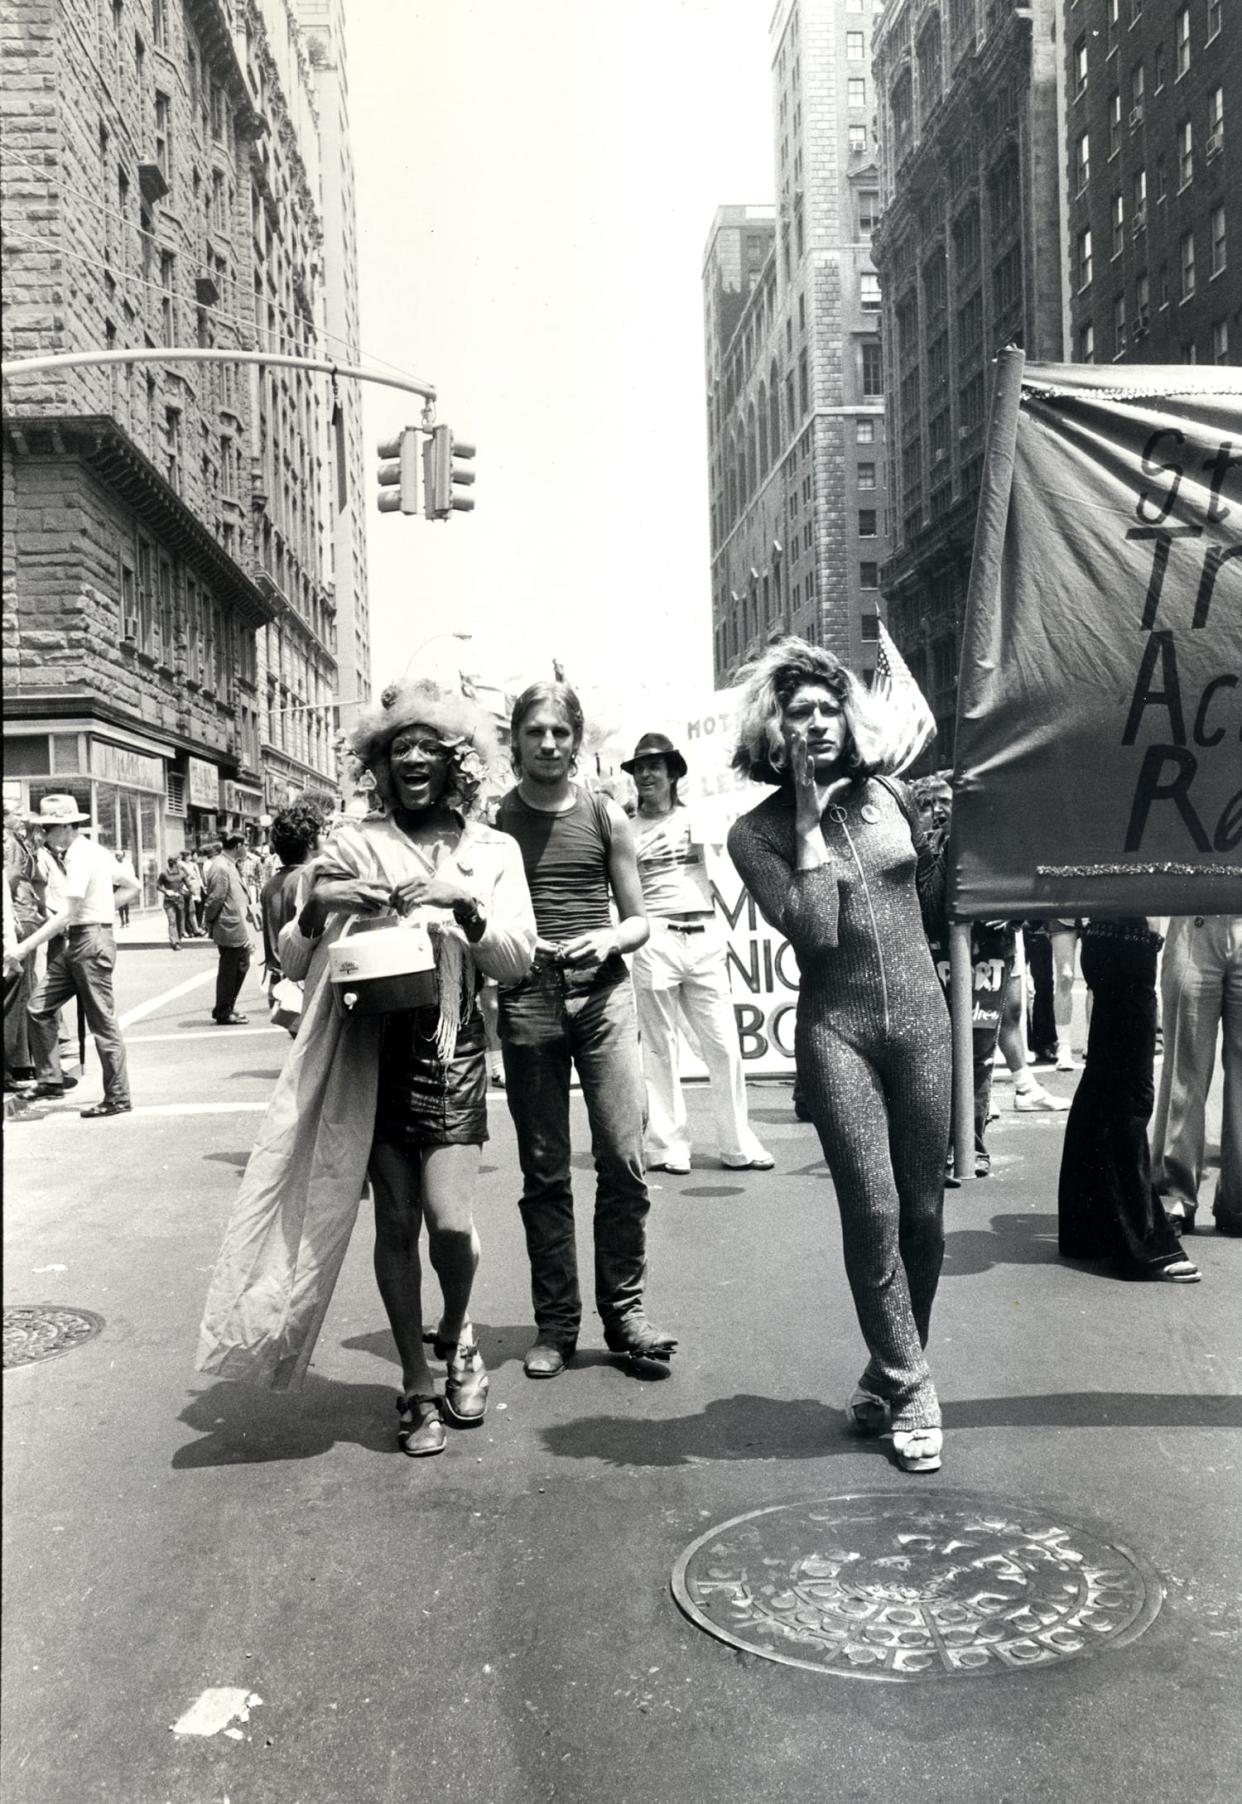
1099	736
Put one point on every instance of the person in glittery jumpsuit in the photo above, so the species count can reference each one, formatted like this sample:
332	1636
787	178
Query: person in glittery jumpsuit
836	860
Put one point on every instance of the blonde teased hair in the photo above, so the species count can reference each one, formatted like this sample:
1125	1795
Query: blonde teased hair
767	685
456	719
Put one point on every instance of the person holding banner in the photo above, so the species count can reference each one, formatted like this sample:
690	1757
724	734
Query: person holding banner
1201	977
837	861
684	962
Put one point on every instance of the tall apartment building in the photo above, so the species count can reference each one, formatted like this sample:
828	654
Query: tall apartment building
795	413
162	571
323	23
1154	169
969	256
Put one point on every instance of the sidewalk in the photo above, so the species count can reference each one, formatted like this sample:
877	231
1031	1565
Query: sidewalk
148	927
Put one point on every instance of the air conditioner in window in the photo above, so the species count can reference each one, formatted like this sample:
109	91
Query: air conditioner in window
1215	143
1136	115
1138	219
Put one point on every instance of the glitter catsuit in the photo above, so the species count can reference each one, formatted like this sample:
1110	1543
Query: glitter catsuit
873	1057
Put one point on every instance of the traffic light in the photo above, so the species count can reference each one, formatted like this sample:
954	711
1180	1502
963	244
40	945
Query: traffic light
398	477
441	474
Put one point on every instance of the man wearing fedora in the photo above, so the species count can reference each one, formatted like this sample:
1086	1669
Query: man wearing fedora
80	933
683	964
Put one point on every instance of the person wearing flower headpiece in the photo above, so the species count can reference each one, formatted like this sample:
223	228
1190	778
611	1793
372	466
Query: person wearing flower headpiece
837	861
399	1097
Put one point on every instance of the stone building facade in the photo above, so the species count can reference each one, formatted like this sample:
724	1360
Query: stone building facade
795	413
1154	174
163	582
969	256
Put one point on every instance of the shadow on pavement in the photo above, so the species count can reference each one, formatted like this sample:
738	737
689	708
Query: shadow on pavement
500	1346
1010	1240
239	1159
271	1076
764	1428
241	1425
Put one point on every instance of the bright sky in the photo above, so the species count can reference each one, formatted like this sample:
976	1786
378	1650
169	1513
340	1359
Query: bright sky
536	180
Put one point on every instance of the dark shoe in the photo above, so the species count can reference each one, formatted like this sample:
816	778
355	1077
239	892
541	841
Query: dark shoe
983	1165
50	1090
465	1386
868	1414
633	1336
546	1359
105	1108
1181	1213
421	1431
230	1020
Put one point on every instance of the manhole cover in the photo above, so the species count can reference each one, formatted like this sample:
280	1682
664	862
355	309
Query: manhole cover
34	1331
889	1586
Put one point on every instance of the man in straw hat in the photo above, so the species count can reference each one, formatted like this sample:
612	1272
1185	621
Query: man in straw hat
683	962
81	953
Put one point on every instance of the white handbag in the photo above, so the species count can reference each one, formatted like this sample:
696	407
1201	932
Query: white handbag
380	966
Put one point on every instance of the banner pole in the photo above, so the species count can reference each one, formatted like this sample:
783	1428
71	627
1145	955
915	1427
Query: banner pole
979	646
961	1003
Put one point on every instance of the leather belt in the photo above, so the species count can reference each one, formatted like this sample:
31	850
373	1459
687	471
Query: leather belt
685	926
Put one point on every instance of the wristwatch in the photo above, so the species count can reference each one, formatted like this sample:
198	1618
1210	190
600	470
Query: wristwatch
471	917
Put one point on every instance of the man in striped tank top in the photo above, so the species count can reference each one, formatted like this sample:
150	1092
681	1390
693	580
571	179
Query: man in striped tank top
575	1011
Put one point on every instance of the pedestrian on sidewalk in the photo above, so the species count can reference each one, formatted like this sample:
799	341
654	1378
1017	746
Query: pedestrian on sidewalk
192	871
1107	1205
401	1097
837	861
28	911
228	917
172	887
80	935
683	965
131	877
1201	978
575	1011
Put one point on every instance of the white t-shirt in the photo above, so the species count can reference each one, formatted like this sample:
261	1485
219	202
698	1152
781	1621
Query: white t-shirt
671	864
89	872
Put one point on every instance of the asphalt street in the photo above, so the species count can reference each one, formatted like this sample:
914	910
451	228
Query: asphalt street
496	1625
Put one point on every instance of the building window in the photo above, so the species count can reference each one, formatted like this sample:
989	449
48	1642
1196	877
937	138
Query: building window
1142	304
858	140
163	136
866	476
168	305
1138	217
1188	265
866	522
1213	27
804	383
1082	260
870	627
872	369
868	576
1119	225
868	211
1164	286
159	23
855	46
1082	162
869	289
172	446
1218	240
1080	66
864	432
1114	24
1185	154
856	91
1086	344
1216	122
1119	325
1220	330
1157	65
1114	122
1182	40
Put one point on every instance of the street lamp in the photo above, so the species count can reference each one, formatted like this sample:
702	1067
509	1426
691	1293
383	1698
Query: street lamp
432	641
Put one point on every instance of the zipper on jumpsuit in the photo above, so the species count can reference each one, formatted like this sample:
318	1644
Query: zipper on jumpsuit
838	814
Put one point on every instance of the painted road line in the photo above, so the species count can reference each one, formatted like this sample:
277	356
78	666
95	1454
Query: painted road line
199	1033
156	1003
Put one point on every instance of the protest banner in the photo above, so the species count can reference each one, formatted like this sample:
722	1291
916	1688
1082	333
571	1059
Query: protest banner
1098	769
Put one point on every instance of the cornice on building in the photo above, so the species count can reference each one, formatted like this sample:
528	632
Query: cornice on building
107	449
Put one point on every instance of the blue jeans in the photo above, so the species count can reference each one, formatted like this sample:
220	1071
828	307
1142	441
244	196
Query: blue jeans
548	1024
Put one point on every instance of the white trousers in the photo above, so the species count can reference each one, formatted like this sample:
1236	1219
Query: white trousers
1201	989
688	971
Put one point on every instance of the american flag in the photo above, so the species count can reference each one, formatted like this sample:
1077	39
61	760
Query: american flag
910	725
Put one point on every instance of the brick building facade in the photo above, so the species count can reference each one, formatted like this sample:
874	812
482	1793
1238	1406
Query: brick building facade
969	255
795	413
1154	167
162	558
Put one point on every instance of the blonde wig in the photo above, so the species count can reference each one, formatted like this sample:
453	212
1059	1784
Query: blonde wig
767	685
465	730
